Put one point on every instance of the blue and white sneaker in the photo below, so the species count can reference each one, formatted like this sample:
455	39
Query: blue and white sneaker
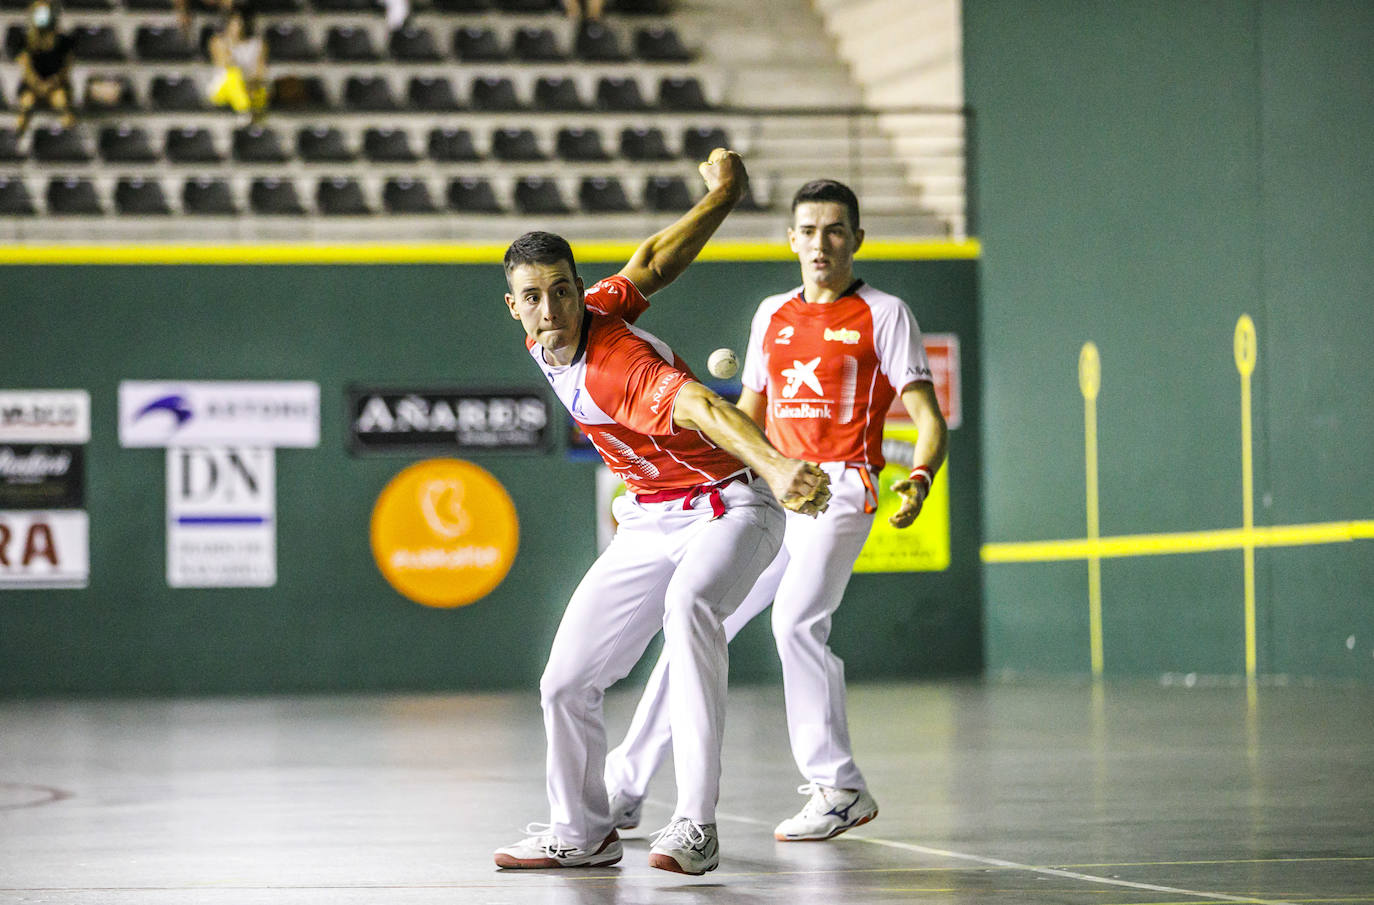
686	847
827	813
545	850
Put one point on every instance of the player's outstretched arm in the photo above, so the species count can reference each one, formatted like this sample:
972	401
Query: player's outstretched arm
800	486
662	257
932	439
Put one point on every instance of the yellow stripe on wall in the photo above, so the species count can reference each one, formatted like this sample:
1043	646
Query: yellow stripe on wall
1183	542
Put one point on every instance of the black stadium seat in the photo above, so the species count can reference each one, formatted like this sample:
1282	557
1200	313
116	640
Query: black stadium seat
207	197
322	144
340	197
15	200
388	146
407	196
667	194
136	196
536	45
473	195
472	44
95	6
274	197
272	7
288	42
163	43
644	144
176	93
660	44
413	44
69	196
620	95
581	145
601	195
462	6
598	44
699	141
150	6
15	40
515	145
10	152
369	93
191	145
126	144
109	94
432	94
494	94
53	144
343	6
258	144
527	6
348	44
682	94
449	145
558	94
537	196
640	7
299	94
98	44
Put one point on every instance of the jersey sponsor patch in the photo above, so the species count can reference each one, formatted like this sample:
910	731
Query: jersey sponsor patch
850	337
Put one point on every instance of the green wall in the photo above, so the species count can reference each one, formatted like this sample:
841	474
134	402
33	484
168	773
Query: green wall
1147	172
332	623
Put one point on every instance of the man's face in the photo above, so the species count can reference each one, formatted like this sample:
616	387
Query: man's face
547	300
824	242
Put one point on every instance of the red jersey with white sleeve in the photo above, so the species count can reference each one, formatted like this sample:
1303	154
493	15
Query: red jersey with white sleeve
620	389
830	371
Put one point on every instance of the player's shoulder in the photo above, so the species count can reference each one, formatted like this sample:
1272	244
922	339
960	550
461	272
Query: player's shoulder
612	293
770	305
880	300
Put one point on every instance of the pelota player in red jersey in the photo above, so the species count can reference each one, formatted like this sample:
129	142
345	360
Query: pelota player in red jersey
699	525
824	363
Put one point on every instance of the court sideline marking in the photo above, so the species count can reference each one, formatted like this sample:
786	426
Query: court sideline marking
1045	871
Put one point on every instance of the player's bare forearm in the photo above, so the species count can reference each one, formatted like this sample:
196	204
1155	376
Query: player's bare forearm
663	257
928	454
798	485
753	404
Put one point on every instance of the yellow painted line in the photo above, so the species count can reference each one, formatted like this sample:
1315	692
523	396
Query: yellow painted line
1245	348
1090	382
1182	542
442	253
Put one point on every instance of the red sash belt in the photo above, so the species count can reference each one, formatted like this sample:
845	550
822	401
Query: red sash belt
688	495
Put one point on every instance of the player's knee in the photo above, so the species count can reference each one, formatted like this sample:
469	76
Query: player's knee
561	690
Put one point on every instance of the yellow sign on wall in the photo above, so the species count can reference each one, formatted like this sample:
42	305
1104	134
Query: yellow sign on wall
923	547
444	532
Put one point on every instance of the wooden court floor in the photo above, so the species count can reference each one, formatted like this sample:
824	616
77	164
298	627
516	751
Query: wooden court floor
991	794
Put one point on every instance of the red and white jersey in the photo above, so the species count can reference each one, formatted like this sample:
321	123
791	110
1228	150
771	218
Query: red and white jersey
831	371
620	389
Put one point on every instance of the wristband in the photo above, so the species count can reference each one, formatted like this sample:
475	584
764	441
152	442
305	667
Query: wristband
922	473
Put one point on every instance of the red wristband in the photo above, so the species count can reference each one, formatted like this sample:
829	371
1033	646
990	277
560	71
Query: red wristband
922	473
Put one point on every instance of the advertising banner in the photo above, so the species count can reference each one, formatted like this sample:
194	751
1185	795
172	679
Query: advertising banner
45	416
221	517
219	413
447	420
44	550
41	477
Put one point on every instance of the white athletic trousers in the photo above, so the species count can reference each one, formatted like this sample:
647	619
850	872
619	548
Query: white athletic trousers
805	584
671	568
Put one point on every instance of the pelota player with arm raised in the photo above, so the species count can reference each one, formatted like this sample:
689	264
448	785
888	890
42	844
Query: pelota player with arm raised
823	366
699	525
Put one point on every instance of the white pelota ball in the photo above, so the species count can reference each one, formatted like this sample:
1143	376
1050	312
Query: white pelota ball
723	364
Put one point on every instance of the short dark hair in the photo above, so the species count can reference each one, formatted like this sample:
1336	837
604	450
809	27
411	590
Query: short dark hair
538	247
829	190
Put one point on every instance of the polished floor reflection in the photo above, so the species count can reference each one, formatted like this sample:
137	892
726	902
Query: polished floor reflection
991	794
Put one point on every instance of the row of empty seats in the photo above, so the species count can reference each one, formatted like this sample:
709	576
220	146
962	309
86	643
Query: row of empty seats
345	196
436	94
291	42
328	144
357	7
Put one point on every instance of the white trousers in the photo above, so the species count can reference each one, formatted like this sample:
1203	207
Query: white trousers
671	568
805	584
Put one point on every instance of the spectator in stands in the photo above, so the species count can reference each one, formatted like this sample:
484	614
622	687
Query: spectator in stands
397	12
184	10
240	54
590	10
46	63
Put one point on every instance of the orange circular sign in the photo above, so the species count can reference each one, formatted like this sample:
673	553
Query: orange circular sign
444	532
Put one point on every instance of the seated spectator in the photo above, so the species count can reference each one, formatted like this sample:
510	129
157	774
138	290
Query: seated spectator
46	63
397	12
240	53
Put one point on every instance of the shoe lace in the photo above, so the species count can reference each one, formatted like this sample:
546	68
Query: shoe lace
681	830
543	835
822	797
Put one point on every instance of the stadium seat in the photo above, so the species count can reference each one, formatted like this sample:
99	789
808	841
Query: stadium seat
53	144
535	195
461	6
207	197
468	195
273	7
601	195
163	43
749	203
109	94
72	197
448	145
581	145
660	44
97	44
322	144
533	44
370	93
190	145
478	45
150	6
348	44
288	42
494	94
682	94
299	94
340	197
644	144
10	151
413	44
667	194
433	94
401	195
640	7
258	144
620	95
598	44
15	40
512	144
343	6
388	146
136	196
177	93
125	144
93	6
274	197
699	141
558	94
15	200
527	6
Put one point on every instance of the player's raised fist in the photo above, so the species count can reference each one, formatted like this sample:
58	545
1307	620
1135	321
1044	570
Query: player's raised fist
724	169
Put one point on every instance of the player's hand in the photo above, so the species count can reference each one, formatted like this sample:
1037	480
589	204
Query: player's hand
802	487
913	491
724	169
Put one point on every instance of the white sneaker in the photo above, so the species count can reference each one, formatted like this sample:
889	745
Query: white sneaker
685	847
625	811
828	813
545	850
